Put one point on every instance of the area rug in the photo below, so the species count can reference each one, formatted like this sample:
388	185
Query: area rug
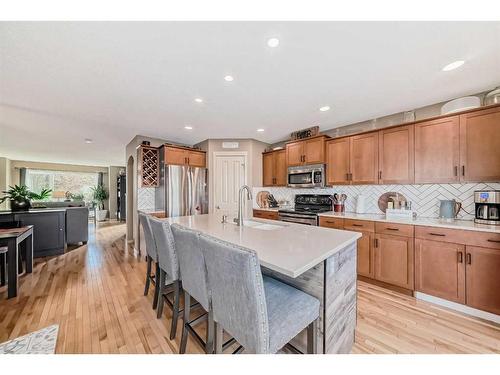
38	342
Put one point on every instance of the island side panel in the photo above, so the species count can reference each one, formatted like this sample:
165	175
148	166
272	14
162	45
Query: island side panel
311	282
340	301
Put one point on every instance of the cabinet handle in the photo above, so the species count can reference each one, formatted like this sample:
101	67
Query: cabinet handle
379	175
188	161
395	229
350	176
456	170
347	176
463	170
469	258
357	225
495	241
460	257
438	234
375	242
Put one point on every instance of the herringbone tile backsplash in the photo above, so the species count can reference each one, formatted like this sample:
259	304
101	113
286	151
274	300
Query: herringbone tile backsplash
424	198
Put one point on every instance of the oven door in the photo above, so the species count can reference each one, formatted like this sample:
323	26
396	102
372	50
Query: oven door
306	177
298	218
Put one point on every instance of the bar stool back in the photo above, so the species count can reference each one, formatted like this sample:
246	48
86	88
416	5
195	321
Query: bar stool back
151	256
169	268
194	281
262	314
3	265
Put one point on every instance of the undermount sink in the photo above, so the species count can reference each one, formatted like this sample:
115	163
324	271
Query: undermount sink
259	225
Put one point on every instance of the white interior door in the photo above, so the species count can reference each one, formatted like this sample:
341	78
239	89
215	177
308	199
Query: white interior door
229	176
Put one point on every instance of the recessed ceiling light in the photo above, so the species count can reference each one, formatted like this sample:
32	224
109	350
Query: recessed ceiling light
88	140
325	108
188	127
453	65
260	130
229	78
273	42
198	100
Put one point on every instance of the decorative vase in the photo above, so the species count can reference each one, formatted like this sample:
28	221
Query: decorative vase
101	215
20	204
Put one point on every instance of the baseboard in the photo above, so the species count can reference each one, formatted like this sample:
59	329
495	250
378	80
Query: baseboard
459	307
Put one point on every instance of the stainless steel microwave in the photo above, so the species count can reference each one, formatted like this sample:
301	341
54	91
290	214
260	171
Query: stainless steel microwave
308	176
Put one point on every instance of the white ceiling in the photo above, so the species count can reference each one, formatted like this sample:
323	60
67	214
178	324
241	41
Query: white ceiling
63	82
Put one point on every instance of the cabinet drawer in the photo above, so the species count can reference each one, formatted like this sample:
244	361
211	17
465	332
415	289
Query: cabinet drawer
331	222
271	215
359	225
395	229
466	237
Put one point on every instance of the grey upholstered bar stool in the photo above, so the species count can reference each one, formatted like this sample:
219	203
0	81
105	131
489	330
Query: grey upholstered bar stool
194	283
3	265
151	256
169	269
261	313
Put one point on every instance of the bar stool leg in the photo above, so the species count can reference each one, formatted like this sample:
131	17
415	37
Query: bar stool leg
3	269
175	309
312	338
219	338
161	287
209	348
185	320
148	273
157	286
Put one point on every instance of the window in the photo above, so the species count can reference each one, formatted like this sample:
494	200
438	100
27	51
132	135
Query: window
62	182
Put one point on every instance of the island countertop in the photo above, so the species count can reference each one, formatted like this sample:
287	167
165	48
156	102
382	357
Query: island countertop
288	248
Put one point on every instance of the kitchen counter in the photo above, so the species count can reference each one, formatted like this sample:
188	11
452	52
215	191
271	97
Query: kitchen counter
319	261
421	221
287	248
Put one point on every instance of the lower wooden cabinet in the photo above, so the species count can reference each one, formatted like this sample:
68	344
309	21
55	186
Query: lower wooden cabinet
483	278
394	260
440	269
365	255
264	214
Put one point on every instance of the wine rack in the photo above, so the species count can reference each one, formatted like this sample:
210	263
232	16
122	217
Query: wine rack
149	166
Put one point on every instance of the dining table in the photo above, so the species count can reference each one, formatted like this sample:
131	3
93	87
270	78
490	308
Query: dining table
17	239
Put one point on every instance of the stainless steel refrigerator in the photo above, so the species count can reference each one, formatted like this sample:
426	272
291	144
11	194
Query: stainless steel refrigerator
183	190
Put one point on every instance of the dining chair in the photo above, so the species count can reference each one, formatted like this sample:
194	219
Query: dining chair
261	313
151	256
169	270
194	284
3	265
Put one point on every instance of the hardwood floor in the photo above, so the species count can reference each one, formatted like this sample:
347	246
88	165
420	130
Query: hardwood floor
95	294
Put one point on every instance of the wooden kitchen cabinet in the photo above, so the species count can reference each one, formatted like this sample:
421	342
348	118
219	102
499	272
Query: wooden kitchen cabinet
337	161
396	155
394	260
184	156
480	145
274	168
440	269
365	259
265	214
437	151
331	222
482	278
364	158
308	151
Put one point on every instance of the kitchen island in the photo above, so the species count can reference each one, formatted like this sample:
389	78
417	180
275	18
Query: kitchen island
318	261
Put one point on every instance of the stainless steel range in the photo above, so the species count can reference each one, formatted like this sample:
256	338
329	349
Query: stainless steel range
307	208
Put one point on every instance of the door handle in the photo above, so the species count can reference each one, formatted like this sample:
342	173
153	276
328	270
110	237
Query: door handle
456	170
379	175
469	258
347	176
463	170
375	242
460	257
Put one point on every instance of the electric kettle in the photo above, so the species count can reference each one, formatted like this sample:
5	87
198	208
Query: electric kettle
448	209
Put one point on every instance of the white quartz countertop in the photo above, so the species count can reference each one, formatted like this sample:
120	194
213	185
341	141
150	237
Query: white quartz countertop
290	249
422	221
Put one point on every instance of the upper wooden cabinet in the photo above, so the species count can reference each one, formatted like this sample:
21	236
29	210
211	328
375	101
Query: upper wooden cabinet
337	161
308	151
184	156
396	155
480	145
364	158
274	169
437	151
440	269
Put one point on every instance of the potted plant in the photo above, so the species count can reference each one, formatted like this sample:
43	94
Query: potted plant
20	197
100	194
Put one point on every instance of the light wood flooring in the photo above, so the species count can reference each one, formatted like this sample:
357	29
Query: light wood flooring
95	294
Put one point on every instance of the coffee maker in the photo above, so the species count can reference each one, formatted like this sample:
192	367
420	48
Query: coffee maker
487	204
